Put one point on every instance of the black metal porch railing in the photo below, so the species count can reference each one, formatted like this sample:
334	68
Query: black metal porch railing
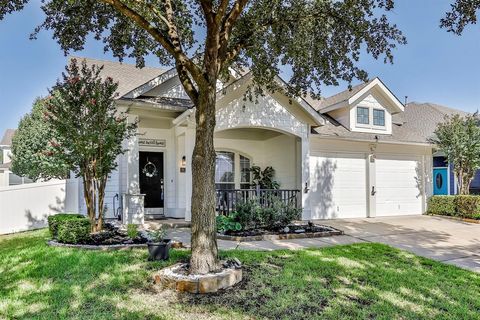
228	199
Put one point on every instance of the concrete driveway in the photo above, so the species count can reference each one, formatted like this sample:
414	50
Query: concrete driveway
441	239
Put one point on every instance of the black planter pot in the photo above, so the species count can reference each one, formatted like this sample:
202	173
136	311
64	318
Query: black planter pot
159	250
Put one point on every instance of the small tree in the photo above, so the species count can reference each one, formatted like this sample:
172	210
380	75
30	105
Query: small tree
459	138
31	148
89	131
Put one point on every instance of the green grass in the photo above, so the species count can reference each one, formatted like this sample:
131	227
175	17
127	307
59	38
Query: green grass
361	281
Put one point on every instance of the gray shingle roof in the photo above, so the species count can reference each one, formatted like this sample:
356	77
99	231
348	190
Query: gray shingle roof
7	137
127	75
339	97
418	123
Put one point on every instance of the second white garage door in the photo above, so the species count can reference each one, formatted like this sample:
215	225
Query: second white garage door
338	186
398	185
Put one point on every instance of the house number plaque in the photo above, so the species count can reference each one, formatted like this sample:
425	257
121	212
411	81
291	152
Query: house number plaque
159	143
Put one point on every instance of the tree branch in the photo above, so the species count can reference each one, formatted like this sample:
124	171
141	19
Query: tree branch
179	56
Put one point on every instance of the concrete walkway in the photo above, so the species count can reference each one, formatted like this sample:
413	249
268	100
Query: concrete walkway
441	239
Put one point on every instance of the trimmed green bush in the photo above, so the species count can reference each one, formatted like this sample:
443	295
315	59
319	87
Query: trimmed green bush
442	205
74	230
467	206
268	212
54	221
464	206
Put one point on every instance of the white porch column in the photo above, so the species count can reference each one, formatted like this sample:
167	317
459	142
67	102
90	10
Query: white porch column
189	144
305	174
133	206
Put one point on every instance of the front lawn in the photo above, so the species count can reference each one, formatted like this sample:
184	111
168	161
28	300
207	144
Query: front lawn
361	281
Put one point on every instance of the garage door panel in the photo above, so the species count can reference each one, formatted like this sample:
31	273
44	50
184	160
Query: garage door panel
399	191
340	190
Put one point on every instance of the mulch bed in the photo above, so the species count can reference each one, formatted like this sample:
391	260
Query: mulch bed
295	231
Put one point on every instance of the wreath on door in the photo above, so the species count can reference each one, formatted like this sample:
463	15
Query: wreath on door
150	170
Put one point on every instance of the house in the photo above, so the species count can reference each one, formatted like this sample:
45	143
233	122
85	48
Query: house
7	177
359	153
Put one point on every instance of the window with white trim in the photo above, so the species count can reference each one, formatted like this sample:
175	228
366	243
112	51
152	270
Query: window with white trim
379	117
363	115
232	171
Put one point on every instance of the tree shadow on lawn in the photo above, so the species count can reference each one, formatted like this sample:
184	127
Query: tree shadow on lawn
361	281
358	281
42	282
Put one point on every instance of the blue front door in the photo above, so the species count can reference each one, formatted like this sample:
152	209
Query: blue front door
440	181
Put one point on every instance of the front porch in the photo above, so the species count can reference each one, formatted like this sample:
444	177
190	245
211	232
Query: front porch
227	200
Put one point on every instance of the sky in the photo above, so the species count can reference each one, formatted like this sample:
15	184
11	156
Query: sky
435	66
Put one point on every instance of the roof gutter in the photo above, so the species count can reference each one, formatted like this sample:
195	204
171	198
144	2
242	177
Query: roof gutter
374	141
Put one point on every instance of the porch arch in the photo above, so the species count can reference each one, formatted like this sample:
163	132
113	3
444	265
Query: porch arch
266	113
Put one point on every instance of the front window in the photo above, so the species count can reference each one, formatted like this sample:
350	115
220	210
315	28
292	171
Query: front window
244	172
225	170
378	117
362	115
232	171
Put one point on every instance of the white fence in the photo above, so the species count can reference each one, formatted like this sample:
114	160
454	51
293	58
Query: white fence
26	207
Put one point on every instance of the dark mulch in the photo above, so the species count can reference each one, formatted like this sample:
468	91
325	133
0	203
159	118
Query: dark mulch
290	229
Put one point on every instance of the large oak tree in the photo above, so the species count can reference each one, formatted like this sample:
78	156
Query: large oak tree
316	41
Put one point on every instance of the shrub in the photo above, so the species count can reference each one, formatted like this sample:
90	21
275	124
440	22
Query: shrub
132	230
467	206
250	214
442	205
228	223
268	212
55	220
74	230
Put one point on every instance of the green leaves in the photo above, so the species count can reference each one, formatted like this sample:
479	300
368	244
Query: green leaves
461	14
31	147
459	138
318	42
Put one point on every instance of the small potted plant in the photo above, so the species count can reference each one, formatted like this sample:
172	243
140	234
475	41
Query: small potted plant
158	246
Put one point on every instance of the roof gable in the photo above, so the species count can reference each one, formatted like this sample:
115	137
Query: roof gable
349	97
7	137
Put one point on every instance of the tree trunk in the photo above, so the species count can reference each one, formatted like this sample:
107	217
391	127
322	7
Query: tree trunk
88	193
101	203
204	233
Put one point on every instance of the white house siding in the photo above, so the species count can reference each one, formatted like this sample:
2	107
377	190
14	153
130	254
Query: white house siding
279	152
371	101
344	189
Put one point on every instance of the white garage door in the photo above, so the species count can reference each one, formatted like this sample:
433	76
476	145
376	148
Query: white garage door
398	186
338	186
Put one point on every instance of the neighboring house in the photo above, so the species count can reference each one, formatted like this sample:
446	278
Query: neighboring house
360	153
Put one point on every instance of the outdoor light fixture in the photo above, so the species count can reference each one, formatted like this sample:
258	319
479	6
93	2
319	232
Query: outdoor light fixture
183	164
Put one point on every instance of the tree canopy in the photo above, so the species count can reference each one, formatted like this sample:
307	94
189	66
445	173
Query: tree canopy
321	41
462	13
459	138
88	130
31	149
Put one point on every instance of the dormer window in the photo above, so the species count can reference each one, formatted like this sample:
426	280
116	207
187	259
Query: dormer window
363	115
379	117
